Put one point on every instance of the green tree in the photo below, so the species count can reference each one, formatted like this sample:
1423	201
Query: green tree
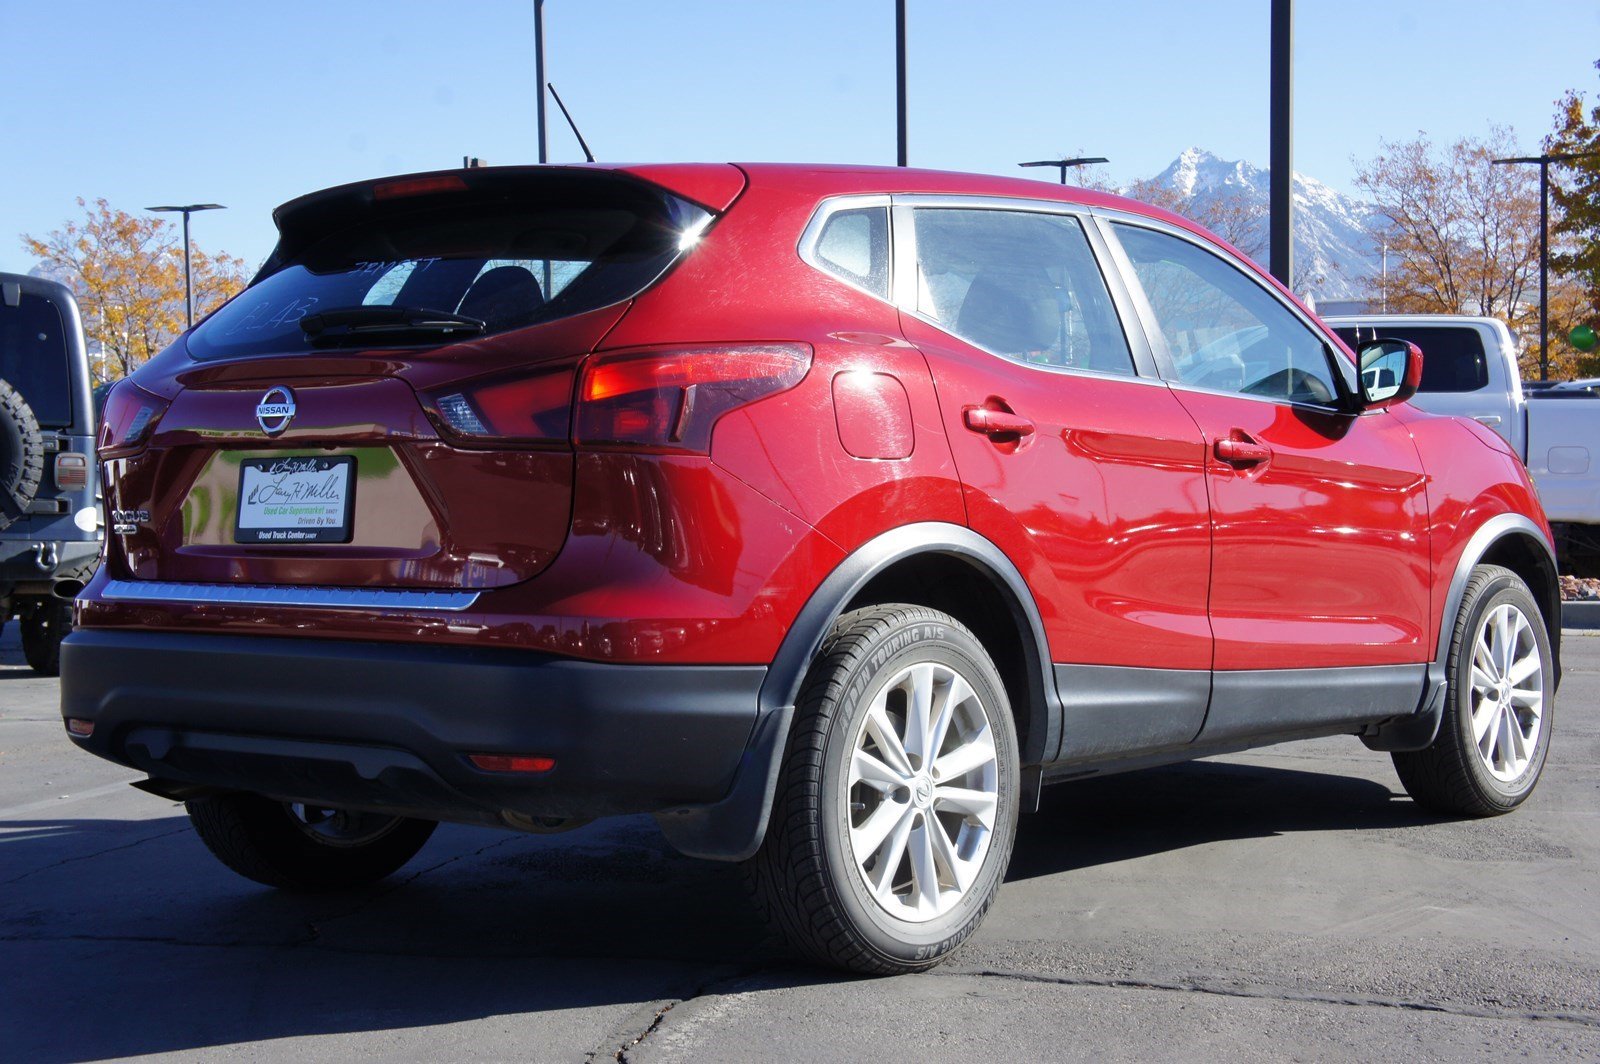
1575	232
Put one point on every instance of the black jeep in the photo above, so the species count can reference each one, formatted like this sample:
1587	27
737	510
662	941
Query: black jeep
49	485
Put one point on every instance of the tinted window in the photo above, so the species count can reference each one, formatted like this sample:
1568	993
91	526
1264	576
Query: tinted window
854	245
33	357
1224	330
1453	358
508	264
1024	286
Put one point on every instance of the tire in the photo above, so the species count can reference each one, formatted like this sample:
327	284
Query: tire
21	456
43	629
293	847
1494	736
896	909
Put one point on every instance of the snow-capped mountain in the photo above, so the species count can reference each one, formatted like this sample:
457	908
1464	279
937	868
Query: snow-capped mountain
1334	258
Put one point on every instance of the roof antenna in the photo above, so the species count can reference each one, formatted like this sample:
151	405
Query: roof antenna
568	116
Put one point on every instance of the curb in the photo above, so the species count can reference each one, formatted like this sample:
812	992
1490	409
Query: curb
1581	614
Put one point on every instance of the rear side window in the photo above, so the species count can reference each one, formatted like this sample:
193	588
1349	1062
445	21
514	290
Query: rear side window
1453	357
509	262
33	357
854	246
1022	285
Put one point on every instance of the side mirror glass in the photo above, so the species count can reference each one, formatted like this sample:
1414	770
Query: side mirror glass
1391	370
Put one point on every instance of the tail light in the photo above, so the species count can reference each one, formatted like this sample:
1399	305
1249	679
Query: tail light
535	409
131	413
72	471
668	399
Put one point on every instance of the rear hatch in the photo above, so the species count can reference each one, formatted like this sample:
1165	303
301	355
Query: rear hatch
389	403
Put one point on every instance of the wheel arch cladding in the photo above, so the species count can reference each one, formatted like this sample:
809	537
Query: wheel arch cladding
1515	542
927	564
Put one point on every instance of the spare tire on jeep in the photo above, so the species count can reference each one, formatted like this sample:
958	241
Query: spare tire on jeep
21	455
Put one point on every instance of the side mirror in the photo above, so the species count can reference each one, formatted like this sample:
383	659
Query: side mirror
1391	372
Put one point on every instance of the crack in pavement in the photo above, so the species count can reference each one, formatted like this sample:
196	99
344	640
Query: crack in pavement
620	1042
90	856
1264	993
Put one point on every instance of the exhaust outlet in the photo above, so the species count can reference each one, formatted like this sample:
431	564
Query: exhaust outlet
66	589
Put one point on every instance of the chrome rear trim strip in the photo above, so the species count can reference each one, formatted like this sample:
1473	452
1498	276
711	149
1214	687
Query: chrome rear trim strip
333	598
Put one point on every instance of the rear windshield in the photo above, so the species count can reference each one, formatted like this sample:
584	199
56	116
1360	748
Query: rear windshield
1453	358
510	263
33	357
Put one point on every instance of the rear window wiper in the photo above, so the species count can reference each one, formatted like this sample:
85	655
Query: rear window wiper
346	324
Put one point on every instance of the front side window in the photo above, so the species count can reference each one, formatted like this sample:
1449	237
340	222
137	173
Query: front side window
1022	285
1224	331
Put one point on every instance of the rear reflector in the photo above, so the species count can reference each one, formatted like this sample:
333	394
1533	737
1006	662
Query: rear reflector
79	726
72	471
511	763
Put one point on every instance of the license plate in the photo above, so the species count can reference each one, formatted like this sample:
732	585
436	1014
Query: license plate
296	499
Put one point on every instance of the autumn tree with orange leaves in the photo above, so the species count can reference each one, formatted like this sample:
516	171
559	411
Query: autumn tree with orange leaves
126	271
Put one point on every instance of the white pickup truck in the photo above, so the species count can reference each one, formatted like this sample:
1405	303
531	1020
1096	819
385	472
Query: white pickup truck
1469	368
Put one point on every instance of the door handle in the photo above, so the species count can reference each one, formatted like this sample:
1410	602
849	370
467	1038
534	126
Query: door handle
996	422
1241	452
1487	419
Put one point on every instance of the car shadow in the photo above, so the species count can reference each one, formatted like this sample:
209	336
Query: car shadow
1100	820
134	924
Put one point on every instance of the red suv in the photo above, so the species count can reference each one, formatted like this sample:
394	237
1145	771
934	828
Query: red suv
824	513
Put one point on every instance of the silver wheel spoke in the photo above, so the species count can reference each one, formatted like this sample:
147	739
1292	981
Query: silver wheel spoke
1522	669
919	708
865	768
889	857
977	804
924	876
973	754
944	852
869	837
888	741
1484	717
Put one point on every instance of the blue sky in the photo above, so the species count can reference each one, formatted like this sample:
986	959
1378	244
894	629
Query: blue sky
250	104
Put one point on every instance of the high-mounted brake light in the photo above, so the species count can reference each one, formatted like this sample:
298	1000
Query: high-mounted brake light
418	186
530	409
669	399
130	414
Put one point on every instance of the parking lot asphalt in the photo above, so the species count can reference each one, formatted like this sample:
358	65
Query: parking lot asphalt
1289	903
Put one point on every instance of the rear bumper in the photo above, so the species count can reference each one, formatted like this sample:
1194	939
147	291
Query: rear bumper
387	727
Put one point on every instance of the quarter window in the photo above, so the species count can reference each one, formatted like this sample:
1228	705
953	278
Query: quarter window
1022	285
1224	331
854	246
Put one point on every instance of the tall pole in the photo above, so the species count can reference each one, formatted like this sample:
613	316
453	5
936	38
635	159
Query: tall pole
900	81
188	277
1544	267
1281	216
188	284
538	73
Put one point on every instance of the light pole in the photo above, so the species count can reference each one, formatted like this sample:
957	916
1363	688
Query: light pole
1064	164
1280	108
538	67
188	278
1543	162
900	81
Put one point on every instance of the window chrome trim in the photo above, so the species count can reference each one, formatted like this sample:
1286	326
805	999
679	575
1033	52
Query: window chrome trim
904	289
811	236
334	598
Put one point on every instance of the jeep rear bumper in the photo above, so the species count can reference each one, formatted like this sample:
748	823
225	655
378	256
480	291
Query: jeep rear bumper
387	727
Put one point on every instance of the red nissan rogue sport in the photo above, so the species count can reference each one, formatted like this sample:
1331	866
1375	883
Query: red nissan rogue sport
824	513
